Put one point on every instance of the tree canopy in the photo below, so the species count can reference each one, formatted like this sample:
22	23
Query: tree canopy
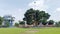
50	22
35	16
1	20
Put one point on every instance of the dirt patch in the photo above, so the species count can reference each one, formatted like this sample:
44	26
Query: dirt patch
30	32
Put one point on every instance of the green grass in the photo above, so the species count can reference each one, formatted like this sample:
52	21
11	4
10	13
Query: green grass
29	30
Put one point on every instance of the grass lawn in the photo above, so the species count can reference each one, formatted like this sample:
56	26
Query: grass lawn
29	30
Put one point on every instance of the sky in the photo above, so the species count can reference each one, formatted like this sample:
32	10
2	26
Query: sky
17	8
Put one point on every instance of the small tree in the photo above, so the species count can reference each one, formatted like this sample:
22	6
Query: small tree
50	22
57	24
17	24
1	20
21	22
7	24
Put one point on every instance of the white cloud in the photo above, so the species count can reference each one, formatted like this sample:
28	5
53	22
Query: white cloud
38	4
19	9
17	13
56	15
58	9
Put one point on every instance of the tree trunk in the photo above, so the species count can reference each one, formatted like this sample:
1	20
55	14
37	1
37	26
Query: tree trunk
35	23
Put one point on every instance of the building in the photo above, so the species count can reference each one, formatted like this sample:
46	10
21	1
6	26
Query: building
8	19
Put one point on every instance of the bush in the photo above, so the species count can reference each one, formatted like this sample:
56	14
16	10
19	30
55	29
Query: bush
44	23
21	22
17	24
50	22
57	24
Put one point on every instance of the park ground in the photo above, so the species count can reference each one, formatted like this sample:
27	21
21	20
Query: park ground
30	30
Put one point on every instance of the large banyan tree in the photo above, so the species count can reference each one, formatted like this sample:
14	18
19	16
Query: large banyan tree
35	17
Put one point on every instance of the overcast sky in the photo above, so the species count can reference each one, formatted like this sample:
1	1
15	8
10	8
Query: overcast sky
17	8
